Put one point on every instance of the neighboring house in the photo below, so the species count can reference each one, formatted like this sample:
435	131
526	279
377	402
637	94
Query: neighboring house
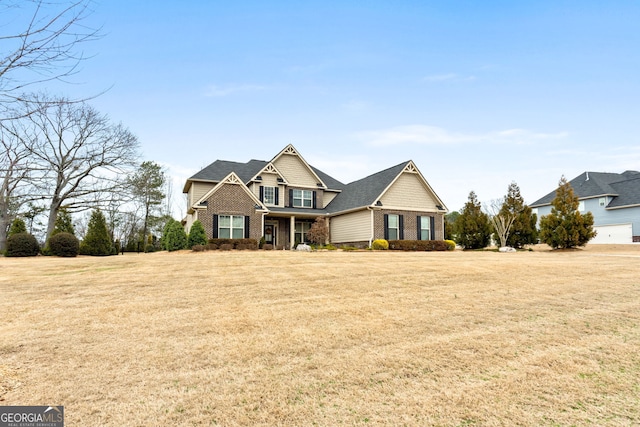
612	198
280	199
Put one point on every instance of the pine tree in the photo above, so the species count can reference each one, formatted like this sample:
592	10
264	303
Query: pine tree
17	226
565	227
472	226
523	230
63	223
197	235
97	241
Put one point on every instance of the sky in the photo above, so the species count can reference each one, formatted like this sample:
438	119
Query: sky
477	94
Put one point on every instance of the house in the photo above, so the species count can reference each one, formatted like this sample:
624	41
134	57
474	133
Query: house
281	198
612	198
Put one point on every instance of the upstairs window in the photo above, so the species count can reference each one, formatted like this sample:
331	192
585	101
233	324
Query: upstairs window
269	196
302	198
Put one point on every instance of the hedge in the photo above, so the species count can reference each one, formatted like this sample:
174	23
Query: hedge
418	245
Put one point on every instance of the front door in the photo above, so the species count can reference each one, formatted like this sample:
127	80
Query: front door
271	232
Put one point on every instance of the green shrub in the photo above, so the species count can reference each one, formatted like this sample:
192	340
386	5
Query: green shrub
97	242
21	245
64	244
174	237
380	245
451	245
197	235
17	226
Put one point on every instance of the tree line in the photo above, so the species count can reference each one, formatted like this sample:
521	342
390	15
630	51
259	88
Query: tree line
61	156
509	222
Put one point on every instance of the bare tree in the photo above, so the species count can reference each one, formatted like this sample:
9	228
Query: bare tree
501	219
43	44
81	156
15	168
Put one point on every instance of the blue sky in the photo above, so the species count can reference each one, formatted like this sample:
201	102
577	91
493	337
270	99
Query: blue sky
478	94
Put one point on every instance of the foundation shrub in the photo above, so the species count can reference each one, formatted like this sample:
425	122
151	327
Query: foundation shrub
22	245
64	244
418	245
240	244
267	247
380	245
199	248
451	245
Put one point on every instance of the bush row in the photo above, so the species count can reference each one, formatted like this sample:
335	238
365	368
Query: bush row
227	245
422	245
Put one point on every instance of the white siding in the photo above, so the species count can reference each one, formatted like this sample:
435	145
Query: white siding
352	227
295	171
409	192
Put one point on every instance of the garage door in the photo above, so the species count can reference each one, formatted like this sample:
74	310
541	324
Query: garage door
613	234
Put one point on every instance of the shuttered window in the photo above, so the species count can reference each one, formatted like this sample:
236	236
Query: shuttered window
231	226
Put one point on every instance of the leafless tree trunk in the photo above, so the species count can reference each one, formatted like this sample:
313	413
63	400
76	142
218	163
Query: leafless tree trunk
502	221
40	42
81	156
15	168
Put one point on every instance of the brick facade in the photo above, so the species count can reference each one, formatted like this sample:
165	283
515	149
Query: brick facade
231	199
410	223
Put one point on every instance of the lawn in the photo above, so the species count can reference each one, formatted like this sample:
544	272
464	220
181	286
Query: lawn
326	338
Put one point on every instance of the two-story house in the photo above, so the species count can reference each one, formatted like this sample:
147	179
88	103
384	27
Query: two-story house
280	199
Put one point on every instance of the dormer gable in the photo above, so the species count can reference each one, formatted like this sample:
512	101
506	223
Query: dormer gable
231	179
295	170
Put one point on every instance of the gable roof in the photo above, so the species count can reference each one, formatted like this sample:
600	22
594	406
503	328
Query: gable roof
624	188
219	169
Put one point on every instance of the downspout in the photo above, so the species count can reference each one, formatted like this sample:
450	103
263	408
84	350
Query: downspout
372	228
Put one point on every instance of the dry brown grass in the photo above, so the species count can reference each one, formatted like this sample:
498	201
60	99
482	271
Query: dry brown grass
326	338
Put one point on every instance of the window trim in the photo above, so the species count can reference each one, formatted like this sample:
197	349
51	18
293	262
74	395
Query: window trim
425	225
396	228
231	227
301	200
266	190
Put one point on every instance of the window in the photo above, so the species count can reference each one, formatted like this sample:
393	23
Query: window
393	227
302	198
269	195
603	201
231	226
301	231
425	228
581	206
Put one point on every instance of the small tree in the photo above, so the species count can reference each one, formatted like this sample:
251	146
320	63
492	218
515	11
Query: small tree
565	227
472	226
502	220
17	226
63	223
523	230
319	231
97	242
197	235
174	237
450	225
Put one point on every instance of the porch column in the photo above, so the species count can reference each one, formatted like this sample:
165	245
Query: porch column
292	232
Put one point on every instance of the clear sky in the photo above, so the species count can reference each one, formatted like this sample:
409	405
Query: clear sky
477	93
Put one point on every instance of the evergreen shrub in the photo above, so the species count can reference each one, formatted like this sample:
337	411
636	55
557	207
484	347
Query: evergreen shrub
64	244
17	226
22	245
197	235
